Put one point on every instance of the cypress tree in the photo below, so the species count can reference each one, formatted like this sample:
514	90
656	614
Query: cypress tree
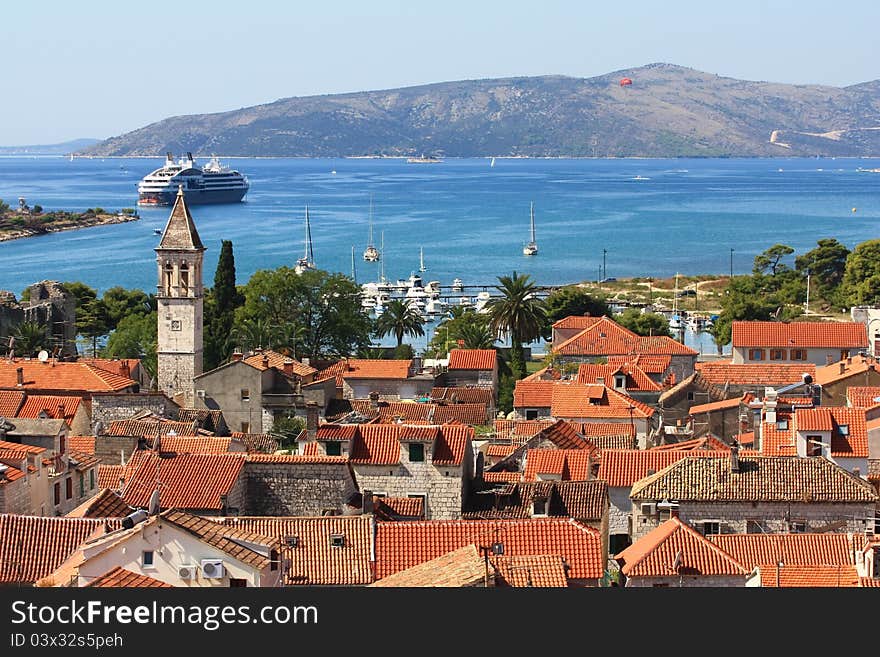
220	309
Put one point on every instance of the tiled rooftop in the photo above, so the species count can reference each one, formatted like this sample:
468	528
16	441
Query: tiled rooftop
269	359
472	359
863	396
84	444
854	366
118	577
109	475
461	567
66	376
539	570
811	576
106	504
792	549
622	468
460	395
825	335
586	501
376	369
569	464
754	374
853	444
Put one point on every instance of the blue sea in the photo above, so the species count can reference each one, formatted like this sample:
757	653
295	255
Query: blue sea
653	217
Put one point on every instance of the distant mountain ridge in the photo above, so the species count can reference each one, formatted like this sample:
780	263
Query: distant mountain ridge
63	148
667	111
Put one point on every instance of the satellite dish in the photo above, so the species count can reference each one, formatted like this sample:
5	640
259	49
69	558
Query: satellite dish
43	355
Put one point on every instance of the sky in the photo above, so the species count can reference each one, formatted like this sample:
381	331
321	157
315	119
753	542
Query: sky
95	68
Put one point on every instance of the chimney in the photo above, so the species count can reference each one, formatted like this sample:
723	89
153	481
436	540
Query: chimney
674	511
600	380
849	360
734	457
842	367
312	420
60	415
374	400
305	361
288	367
19	376
829	359
265	362
367	501
857	472
236	354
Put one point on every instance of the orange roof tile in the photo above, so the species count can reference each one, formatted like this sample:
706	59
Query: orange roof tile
853	444
533	394
793	549
564	436
777	442
269	359
119	577
376	369
825	335
869	582
306	545
647	363
811	576
575	322
194	444
636	379
109	475
10	402
863	396
62	376
754	374
592	430
716	406
84	444
502	451
661	345
586	501
21	447
624	467
472	359
449	449
120	366
461	567
569	464
460	395
851	367
655	554
187	481
149	428
501	477
32	547
473	414
310	456
538	570
401	545
394	508
106	504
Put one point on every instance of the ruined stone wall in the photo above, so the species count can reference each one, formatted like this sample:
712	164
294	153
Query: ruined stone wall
296	489
111	407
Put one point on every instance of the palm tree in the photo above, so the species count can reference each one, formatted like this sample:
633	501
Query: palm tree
517	313
477	336
30	337
253	333
400	319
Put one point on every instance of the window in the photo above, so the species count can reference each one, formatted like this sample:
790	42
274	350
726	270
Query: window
539	506
664	514
175	325
68	488
814	445
690	396
782	425
333	448
844	429
755	527
417	452
619	381
531	414
711	528
61	444
147	559
92	479
756	354
245	394
337	540
798	354
57	494
82	484
235	582
798	526
777	354
169	276
245	427
184	280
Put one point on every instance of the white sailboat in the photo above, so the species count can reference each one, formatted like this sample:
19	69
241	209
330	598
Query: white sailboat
307	262
531	248
422	267
492	163
371	253
675	321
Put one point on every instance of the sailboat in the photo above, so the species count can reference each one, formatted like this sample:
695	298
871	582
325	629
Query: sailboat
492	163
307	262
531	248
675	321
371	253
422	259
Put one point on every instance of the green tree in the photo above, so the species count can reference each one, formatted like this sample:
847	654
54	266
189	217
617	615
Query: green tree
826	265
772	259
404	352
643	323
92	319
289	427
861	279
455	326
220	306
573	300
30	338
254	333
746	298
135	337
400	319
120	302
324	308
519	314
476	335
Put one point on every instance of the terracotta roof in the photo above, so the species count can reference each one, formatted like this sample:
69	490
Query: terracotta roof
234	540
84	444
461	395
121	578
606	337
120	366
180	231
32	547
109	475
569	400
106	504
760	479
451	444
335	370
564	436
395	508
148	428
533	394
582	500
500	450
825	335
694	444
472	359
635	378
256	442
519	430
647	363
624	467
716	406
569	464
473	414
620	441
854	444
869	582
539	570
851	367
576	322
793	549
21	447
655	554
268	359
194	444
379	444
10	402
212	420
311	456
754	374
376	369
863	396
66	376
314	560
595	430
501	477
461	567
811	576
663	345
401	545
82	461
777	442
187	481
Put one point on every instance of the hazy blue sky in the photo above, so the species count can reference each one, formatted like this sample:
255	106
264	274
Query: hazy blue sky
97	69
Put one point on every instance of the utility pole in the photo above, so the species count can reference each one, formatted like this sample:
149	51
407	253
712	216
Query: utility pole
807	305
604	269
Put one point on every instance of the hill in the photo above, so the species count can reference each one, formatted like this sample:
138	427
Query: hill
668	111
49	149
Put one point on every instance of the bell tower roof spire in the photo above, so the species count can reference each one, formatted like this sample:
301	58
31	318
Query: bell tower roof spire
180	231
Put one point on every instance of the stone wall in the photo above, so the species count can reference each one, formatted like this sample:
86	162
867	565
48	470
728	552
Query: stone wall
688	581
733	516
388	389
112	450
296	489
15	497
619	510
115	406
50	305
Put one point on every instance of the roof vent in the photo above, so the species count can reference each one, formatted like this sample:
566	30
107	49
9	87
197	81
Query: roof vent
337	540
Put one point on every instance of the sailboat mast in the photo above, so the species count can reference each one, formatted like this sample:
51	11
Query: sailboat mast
353	270
382	256
310	254
532	215
371	221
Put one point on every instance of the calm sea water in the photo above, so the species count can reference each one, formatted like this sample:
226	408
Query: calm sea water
653	217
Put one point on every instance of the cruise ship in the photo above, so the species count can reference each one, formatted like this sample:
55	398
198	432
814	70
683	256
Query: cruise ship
212	183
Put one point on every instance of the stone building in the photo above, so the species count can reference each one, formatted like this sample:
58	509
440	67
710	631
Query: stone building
50	306
819	343
473	368
431	462
180	300
749	494
837	378
392	379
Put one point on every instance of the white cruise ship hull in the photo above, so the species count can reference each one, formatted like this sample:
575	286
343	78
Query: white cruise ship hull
193	196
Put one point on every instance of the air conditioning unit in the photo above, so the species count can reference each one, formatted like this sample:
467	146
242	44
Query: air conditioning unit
648	508
187	572
213	568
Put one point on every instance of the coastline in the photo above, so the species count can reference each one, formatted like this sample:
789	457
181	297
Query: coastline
77	224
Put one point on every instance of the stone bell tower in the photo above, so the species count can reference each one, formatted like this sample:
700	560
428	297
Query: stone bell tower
181	302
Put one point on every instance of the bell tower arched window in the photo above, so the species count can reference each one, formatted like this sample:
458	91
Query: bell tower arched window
168	277
184	279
